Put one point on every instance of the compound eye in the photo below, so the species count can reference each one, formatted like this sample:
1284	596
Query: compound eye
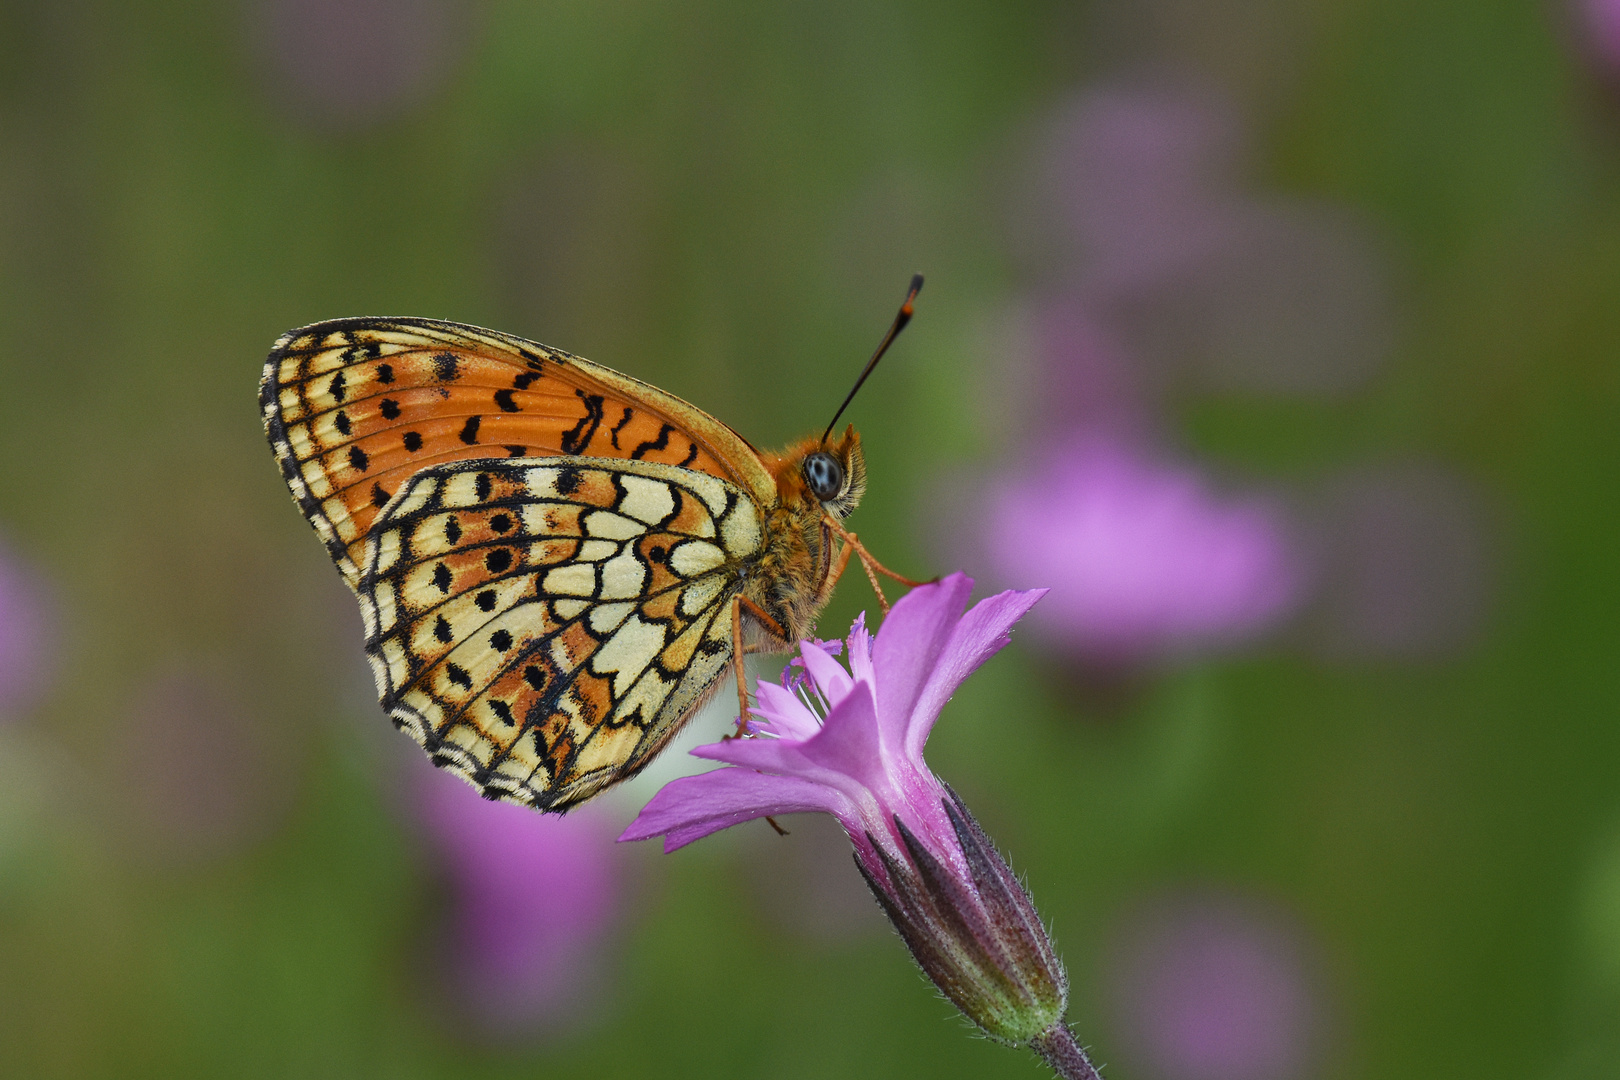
824	475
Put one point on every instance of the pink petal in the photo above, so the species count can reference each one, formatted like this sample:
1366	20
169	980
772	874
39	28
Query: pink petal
692	807
829	675
849	744
789	717
908	646
860	649
781	757
982	632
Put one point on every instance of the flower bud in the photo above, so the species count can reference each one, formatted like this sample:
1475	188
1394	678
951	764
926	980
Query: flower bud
978	938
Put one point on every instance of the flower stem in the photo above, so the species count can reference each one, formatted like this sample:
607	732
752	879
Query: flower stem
1060	1050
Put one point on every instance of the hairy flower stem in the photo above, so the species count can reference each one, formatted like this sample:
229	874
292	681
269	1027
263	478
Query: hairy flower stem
1058	1048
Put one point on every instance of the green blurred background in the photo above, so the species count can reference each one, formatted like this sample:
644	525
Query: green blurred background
208	861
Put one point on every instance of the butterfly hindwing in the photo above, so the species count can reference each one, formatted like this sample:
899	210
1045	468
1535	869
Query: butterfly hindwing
542	626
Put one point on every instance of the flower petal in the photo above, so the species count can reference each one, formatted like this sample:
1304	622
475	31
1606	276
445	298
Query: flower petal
692	807
849	743
782	757
908	646
829	675
981	633
789	717
860	649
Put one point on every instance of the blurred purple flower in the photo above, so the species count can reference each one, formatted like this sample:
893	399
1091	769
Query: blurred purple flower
199	774
344	64
1142	557
849	742
1408	563
1166	251
27	632
1214	988
535	898
1600	26
1086	377
1138	174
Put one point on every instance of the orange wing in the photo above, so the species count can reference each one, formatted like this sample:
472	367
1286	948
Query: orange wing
356	407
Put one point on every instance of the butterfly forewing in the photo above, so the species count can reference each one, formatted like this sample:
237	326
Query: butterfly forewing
543	627
356	407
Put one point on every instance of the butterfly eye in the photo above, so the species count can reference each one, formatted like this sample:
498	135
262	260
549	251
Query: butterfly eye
824	475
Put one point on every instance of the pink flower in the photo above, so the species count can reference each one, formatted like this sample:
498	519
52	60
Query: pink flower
849	742
26	633
1139	174
348	64
533	899
1215	987
1600	27
1143	558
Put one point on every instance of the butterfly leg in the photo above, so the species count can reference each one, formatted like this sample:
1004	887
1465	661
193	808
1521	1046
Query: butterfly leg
869	564
739	604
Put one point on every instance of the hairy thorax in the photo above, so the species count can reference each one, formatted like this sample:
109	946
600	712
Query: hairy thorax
789	578
792	569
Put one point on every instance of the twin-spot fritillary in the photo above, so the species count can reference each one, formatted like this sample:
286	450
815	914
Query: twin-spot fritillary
555	562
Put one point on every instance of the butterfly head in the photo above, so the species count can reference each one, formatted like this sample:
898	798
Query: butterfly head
831	473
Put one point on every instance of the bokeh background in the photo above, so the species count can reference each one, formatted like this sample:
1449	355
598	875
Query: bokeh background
1281	339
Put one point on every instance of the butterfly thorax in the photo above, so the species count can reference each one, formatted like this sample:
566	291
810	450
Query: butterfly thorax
790	575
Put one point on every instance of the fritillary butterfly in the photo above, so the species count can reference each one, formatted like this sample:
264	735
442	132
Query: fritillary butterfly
556	563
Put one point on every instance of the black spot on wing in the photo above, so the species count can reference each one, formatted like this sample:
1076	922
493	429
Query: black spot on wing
500	641
413	441
503	398
385	373
522	381
567	480
452	530
459	676
446	368
379	497
482	486
339	389
469	430
441	630
358	459
498	561
390	408
485	600
341	422
441	578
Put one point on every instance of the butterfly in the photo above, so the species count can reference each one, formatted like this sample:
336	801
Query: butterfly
556	563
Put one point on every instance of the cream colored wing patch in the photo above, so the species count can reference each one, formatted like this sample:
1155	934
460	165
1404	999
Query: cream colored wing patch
543	626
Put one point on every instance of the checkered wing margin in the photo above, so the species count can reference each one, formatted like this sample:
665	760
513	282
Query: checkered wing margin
543	626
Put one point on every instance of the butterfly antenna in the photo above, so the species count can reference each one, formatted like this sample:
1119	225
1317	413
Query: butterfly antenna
900	322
